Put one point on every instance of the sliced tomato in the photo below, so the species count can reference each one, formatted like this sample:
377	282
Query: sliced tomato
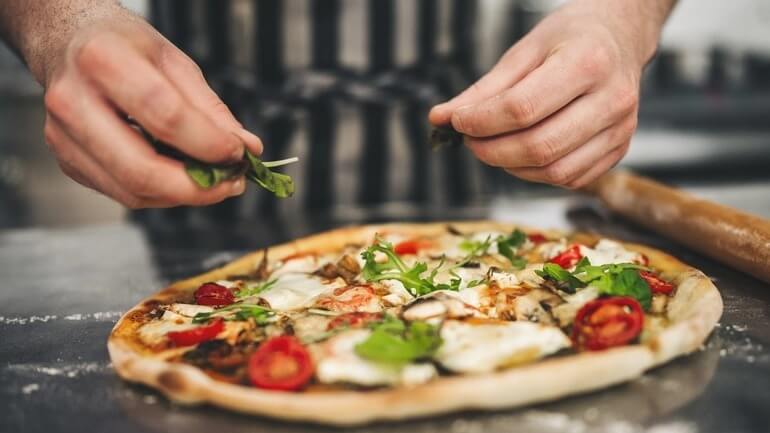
536	238
569	257
353	320
197	335
214	295
607	322
657	284
410	247
281	363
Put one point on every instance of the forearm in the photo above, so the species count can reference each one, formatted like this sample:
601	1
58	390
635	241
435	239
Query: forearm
39	30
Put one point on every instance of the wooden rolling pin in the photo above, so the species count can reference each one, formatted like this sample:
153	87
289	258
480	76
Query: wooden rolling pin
725	234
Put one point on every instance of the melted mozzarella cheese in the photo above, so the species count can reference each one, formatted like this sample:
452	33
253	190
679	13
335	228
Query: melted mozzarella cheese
337	362
398	294
292	291
190	310
608	252
479	348
154	332
504	279
529	277
565	313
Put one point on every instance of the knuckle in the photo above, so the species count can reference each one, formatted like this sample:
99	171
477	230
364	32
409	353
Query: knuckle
596	61
168	113
464	123
520	109
57	99
627	99
539	153
557	174
90	54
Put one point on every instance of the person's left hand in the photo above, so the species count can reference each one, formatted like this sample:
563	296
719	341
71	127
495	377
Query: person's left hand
561	105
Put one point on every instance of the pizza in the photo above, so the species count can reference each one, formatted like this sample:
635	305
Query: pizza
388	322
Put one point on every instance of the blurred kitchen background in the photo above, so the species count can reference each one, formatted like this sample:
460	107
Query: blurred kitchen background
346	85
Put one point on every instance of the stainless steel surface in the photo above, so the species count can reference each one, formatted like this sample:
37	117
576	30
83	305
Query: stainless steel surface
62	290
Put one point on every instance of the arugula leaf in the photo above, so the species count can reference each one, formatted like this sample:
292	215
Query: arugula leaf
445	135
394	342
278	183
261	314
256	289
395	269
210	175
508	247
612	279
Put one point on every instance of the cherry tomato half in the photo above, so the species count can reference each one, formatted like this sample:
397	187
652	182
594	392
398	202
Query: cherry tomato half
607	322
197	335
353	320
536	238
569	257
657	284
410	247
214	295
281	363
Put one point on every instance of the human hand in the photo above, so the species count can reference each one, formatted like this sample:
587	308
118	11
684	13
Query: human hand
561	105
119	66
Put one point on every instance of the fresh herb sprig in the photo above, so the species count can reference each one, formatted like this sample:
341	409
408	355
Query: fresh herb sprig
207	175
255	289
260	314
393	341
612	279
507	246
393	268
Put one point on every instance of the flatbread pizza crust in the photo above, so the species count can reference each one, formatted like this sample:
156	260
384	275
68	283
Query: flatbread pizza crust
692	314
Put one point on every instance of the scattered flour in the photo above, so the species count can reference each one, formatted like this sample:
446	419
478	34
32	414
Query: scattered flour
101	316
63	370
29	389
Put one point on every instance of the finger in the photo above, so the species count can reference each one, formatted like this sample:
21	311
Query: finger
515	64
580	161
135	85
134	164
553	138
189	80
604	165
83	169
550	87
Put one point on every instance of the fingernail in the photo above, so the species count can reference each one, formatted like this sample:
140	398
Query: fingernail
238	187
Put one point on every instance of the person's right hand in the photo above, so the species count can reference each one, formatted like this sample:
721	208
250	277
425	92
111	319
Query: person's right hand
120	66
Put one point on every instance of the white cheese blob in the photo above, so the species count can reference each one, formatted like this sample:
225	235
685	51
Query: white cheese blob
398	294
480	348
529	277
608	252
504	279
190	310
293	291
154	332
565	313
337	362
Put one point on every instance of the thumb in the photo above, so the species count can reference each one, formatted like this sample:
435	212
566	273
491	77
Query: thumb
515	64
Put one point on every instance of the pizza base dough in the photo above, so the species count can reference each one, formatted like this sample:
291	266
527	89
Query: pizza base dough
692	313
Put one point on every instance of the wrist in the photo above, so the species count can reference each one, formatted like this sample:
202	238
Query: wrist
45	32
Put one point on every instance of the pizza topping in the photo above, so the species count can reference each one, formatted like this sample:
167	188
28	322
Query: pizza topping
395	342
190	310
537	238
281	363
613	279
293	291
394	268
197	335
438	305
508	246
657	284
565	313
346	268
479	348
214	295
353	320
607	322
258	313
338	362
351	298
411	247
607	252
568	258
